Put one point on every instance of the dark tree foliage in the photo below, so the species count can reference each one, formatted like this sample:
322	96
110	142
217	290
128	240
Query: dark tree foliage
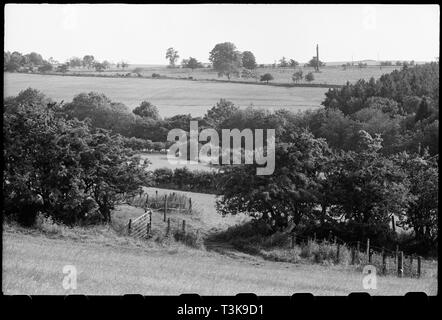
147	110
288	195
62	168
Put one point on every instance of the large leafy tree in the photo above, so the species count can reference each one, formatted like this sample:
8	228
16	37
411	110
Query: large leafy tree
191	63
288	195
147	110
102	112
423	210
248	60
172	55
219	113
367	187
59	167
226	59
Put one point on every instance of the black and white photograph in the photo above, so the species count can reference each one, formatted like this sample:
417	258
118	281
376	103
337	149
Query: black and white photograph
220	149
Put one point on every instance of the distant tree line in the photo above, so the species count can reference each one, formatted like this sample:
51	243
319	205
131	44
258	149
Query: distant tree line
17	62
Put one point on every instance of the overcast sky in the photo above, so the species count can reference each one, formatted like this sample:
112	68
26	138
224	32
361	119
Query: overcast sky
141	34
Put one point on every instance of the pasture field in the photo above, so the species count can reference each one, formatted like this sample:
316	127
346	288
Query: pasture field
108	262
159	160
172	97
33	264
328	75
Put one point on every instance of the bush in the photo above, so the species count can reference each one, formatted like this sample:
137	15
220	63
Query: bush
67	170
185	179
325	252
266	77
156	75
47	225
190	239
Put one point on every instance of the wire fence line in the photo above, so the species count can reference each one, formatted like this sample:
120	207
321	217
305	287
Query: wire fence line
362	254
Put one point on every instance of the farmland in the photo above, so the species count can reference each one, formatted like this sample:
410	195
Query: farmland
109	263
170	96
328	75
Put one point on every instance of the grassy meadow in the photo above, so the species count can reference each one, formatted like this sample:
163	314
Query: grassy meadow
33	264
170	96
110	262
329	74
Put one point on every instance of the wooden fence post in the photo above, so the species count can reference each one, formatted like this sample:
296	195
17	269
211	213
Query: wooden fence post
358	248
165	207
190	205
368	248
396	258
293	240
384	261
411	264
393	225
337	252
147	229
150	218
314	236
146	204
129	226
334	239
418	266
168	226
400	265
184	226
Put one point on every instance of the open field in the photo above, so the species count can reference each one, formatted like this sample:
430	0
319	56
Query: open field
33	264
159	160
328	75
170	96
108	262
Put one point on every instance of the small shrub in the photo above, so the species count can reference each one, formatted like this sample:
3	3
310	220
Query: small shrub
47	225
190	239
278	239
325	252
156	75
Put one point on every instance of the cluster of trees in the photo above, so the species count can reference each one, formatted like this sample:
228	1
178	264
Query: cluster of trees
284	63
89	62
16	61
315	185
33	61
314	62
60	167
143	122
402	106
191	63
360	65
299	75
370	154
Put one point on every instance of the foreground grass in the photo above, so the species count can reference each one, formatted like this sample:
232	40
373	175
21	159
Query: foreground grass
33	264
